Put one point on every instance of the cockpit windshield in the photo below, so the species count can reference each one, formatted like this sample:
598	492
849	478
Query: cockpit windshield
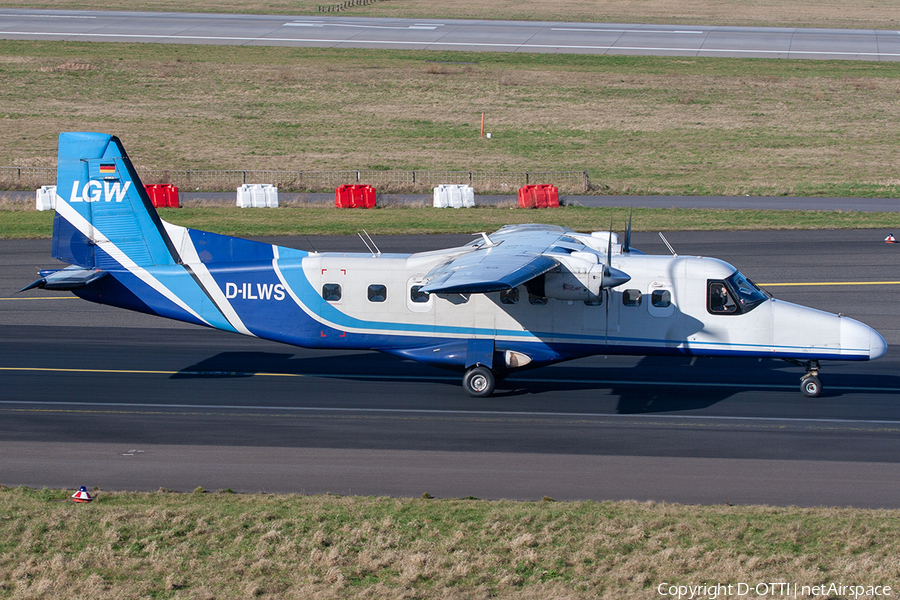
747	294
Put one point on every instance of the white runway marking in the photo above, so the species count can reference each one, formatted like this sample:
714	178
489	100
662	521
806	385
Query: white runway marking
317	24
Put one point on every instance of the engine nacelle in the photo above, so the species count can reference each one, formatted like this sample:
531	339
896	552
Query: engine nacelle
581	277
576	286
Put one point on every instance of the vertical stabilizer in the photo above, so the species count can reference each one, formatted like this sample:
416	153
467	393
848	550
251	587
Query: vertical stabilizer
104	218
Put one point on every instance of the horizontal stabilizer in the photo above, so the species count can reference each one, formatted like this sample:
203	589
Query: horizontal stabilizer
68	279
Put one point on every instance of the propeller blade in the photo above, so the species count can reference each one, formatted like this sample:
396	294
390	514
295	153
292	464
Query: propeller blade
627	246
608	248
608	300
612	277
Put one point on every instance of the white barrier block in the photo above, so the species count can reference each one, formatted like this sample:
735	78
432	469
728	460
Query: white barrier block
440	197
454	196
45	197
243	196
257	195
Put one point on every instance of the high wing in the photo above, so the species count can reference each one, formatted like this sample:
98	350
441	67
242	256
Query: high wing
507	258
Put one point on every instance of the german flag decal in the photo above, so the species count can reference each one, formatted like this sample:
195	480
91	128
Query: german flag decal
108	169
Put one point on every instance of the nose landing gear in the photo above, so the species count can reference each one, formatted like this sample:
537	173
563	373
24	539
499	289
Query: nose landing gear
810	384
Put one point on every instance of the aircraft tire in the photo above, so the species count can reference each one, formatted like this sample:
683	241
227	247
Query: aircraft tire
811	386
479	382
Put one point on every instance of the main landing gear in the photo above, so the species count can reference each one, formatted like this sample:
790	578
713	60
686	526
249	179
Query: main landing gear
479	381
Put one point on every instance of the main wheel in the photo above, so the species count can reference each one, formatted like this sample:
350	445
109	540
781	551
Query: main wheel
479	382
811	386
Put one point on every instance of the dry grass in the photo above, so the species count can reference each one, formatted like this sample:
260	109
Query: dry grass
228	546
636	124
879	14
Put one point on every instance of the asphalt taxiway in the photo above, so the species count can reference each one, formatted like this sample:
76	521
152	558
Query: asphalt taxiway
102	397
450	34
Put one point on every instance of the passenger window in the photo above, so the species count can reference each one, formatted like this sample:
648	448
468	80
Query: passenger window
537	300
632	297
661	298
377	293
509	296
719	301
331	292
418	296
595	301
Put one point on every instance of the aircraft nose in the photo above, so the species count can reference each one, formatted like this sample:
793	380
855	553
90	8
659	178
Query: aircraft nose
857	337
877	345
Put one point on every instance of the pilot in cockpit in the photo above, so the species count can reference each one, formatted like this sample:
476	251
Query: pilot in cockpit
719	299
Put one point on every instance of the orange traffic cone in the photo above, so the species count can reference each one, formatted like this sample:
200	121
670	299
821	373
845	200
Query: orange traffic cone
890	239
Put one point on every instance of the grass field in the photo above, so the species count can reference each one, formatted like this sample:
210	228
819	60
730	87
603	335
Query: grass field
638	125
221	545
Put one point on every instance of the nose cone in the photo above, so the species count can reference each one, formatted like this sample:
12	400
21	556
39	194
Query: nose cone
877	345
861	341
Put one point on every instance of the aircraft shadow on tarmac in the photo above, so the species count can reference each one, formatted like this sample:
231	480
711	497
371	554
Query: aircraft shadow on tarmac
649	384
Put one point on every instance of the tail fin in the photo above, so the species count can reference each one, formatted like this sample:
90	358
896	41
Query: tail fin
104	218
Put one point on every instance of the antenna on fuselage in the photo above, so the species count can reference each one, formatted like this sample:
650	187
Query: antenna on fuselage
668	245
488	242
376	251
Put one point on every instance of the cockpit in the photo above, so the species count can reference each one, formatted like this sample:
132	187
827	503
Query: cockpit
734	295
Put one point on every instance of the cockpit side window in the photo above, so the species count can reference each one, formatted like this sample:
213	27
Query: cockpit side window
719	300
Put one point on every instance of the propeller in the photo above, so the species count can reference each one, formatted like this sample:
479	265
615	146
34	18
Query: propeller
612	277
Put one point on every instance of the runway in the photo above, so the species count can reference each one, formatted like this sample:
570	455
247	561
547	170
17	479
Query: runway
102	397
448	34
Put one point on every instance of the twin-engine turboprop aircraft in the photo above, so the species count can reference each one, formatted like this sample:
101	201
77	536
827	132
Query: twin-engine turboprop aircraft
522	297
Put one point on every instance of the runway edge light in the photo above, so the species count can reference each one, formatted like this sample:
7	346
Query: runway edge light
82	495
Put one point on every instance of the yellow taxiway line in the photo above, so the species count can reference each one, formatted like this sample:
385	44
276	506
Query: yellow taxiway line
46	298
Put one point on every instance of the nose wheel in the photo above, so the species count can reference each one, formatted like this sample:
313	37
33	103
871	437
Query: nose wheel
479	382
810	384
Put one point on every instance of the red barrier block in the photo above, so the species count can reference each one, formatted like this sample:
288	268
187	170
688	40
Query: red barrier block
354	196
538	196
163	195
172	197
